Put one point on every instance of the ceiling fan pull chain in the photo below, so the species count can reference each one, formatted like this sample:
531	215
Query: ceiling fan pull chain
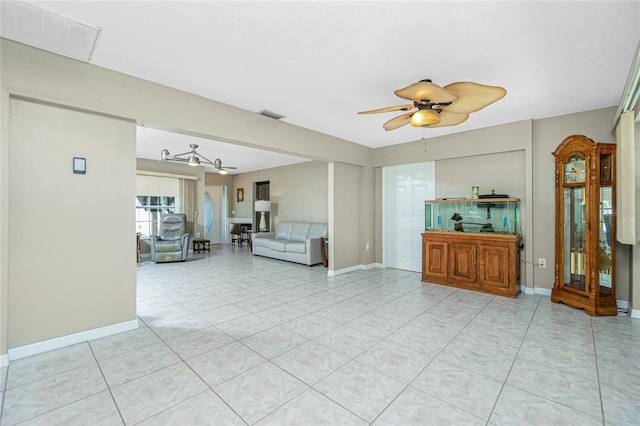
424	137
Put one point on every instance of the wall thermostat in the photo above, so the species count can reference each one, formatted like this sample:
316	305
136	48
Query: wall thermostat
79	165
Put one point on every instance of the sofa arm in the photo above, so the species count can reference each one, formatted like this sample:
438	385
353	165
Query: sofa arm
185	246
153	239
314	252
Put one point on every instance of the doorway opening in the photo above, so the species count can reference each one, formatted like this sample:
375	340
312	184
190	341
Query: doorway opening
215	213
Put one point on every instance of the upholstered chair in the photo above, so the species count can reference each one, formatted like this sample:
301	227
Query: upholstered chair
172	242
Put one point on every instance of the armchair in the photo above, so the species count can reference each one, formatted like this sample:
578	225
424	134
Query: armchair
172	243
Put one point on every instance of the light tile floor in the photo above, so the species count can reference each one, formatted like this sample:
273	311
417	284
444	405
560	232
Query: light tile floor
230	338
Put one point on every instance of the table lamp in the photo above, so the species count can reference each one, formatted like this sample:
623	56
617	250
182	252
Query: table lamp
262	206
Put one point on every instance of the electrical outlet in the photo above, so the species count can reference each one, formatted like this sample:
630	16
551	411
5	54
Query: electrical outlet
542	262
366	246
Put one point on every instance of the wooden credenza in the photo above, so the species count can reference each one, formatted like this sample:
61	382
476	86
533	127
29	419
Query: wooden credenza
485	262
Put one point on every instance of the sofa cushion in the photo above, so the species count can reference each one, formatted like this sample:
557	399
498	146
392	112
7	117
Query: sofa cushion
284	230
168	245
261	242
299	231
278	245
296	247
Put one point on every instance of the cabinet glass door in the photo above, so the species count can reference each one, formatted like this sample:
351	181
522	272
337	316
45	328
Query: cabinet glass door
606	240
574	238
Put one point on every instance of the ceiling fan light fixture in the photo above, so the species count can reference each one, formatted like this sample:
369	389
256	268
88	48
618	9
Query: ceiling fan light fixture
425	117
223	171
440	107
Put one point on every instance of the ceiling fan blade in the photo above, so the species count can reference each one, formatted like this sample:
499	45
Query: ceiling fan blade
472	97
229	167
389	109
424	90
398	121
450	119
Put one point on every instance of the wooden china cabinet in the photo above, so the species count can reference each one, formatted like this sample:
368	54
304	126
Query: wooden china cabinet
585	226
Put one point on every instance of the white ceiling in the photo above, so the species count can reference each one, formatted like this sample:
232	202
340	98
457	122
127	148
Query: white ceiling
320	62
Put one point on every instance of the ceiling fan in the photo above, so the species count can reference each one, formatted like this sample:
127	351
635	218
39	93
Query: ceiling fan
193	158
440	106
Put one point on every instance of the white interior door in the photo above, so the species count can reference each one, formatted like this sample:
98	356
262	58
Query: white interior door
406	187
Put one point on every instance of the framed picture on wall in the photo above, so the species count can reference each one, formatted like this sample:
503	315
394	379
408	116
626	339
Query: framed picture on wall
240	194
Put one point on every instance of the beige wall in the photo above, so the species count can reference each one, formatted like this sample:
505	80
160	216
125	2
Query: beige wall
345	213
504	138
32	73
503	172
72	236
299	192
368	217
352	186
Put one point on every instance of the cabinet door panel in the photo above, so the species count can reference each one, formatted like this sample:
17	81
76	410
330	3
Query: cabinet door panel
494	265
436	259
463	264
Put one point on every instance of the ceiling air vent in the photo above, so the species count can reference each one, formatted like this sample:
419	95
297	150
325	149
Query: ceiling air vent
271	114
32	25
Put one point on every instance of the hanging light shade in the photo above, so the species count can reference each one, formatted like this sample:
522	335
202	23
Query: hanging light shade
425	117
193	161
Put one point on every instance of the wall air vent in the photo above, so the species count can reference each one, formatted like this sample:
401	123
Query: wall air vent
271	114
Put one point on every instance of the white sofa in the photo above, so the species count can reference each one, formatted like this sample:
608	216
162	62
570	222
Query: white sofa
293	241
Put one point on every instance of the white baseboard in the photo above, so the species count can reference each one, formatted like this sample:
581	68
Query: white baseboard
4	361
71	339
537	290
360	267
635	313
344	271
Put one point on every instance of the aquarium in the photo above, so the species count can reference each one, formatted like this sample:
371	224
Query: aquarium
490	215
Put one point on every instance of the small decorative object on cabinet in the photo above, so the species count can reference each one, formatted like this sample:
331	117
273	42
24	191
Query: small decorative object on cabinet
585	226
473	244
